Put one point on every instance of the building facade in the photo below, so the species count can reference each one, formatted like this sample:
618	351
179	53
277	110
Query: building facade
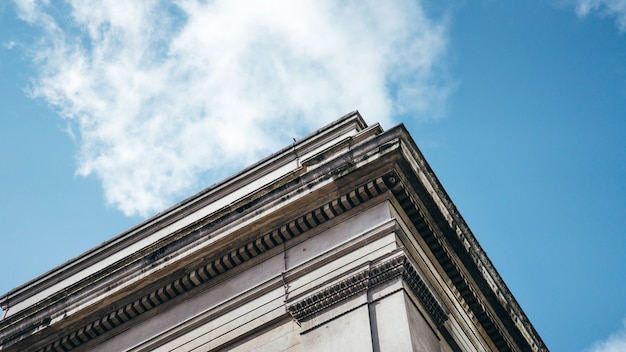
343	241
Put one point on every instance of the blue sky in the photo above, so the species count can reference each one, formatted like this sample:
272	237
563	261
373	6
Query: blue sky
113	112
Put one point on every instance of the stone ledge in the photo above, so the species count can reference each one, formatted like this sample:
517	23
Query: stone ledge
373	276
199	276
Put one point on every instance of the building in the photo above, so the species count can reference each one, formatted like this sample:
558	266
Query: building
343	241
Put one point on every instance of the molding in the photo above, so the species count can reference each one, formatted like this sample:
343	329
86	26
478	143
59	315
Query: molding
118	317
471	272
364	156
441	250
185	213
449	257
375	275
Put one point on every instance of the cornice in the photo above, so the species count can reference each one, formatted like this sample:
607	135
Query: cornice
373	276
348	125
443	253
201	275
456	249
414	186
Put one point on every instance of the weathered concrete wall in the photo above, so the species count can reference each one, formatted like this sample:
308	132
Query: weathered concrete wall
246	309
348	332
283	337
254	296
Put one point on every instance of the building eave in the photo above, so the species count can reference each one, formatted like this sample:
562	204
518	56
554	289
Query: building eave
477	266
377	162
185	209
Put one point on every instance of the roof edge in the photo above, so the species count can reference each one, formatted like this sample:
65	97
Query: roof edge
351	120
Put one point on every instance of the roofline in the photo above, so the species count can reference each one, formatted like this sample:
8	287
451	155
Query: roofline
475	253
407	160
352	119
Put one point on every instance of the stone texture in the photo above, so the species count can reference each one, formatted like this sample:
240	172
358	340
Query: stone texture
348	332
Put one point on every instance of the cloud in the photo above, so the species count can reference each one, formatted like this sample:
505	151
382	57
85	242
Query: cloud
163	95
614	343
610	8
9	45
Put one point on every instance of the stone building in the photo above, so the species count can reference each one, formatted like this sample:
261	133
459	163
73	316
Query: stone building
343	241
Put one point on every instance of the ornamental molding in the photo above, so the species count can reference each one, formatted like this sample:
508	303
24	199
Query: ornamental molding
375	275
441	246
426	204
201	275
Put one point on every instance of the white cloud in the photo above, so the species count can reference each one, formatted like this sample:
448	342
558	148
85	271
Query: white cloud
9	45
611	8
614	343
160	92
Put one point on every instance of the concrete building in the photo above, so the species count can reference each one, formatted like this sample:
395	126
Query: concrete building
343	241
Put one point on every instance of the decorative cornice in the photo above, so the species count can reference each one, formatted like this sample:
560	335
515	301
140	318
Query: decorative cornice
214	268
201	205
375	275
488	289
330	296
416	189
440	248
419	288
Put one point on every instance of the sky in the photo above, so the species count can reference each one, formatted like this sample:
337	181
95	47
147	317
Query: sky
111	111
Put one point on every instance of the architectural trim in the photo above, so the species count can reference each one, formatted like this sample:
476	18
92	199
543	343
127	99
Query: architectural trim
440	248
218	266
253	214
188	213
456	249
371	277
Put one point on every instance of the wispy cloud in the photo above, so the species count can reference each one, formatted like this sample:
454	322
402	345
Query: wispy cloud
162	93
610	8
614	343
9	45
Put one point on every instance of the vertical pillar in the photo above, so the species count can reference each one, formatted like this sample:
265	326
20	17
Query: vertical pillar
347	332
398	326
